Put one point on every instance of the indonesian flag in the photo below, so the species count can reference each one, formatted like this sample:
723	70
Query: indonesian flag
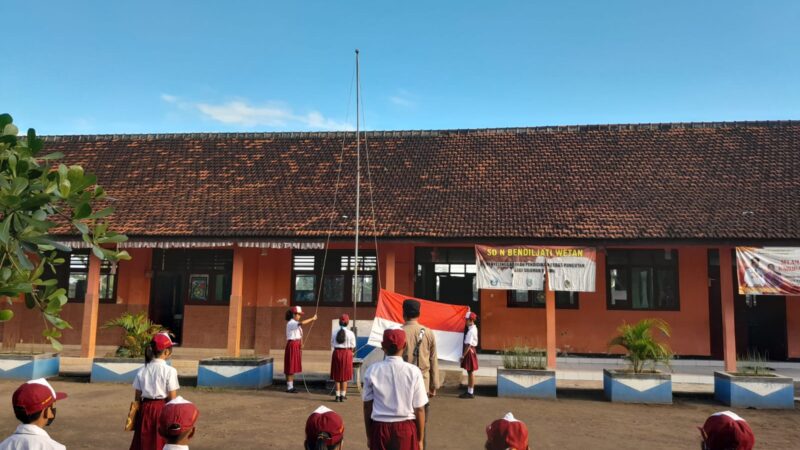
445	321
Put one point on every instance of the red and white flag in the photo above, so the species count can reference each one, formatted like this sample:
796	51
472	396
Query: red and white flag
446	322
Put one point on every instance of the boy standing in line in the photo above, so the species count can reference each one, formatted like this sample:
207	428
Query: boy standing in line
34	406
394	399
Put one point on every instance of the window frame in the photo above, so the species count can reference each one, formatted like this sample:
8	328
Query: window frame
335	266
530	303
655	267
64	270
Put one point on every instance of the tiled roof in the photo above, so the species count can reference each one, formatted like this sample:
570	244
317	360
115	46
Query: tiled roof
650	181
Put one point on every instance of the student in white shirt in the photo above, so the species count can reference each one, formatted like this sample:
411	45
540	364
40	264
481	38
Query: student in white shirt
176	423
34	406
343	342
394	399
293	356
155	384
469	359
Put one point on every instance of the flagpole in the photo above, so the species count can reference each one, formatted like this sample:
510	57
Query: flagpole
358	196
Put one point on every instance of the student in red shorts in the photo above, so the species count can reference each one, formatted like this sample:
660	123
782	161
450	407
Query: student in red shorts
394	399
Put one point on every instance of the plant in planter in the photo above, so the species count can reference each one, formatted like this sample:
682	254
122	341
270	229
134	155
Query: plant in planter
754	385
524	374
129	356
641	382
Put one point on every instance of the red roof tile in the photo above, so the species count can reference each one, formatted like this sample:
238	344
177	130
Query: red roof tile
661	181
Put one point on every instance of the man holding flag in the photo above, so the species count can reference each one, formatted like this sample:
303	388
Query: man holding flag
420	349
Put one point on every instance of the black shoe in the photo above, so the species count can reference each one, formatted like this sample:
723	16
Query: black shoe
343	398
291	391
338	399
466	395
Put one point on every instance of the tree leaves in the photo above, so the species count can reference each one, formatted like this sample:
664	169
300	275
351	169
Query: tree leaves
35	196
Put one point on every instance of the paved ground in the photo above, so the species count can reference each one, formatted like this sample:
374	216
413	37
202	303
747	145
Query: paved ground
269	419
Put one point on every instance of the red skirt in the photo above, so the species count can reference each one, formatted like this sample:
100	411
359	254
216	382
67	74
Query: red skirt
145	434
470	362
293	357
394	436
342	365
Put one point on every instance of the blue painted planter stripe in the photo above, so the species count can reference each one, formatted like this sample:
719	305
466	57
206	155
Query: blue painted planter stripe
534	386
753	394
102	374
29	369
627	390
235	377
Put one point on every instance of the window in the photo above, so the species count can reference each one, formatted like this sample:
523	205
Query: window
446	274
74	273
642	279
198	276
338	278
536	299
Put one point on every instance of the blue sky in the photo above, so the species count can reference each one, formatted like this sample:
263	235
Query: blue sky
179	65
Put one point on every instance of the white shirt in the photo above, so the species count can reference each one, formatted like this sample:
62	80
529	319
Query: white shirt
293	330
175	447
30	437
471	336
396	388
156	379
349	339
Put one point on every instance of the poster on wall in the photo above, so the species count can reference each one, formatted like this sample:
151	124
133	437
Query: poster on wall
768	270
198	287
522	267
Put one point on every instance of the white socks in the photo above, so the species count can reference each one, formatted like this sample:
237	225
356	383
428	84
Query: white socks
289	385
341	393
471	390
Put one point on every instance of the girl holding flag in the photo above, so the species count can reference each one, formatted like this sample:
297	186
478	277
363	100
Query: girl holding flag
293	356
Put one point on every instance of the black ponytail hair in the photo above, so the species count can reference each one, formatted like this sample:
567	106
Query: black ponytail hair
341	336
289	315
319	444
150	352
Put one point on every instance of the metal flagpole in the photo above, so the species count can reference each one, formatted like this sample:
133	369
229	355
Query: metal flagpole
358	198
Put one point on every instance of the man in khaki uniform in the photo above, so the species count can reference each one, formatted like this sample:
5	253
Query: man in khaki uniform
421	351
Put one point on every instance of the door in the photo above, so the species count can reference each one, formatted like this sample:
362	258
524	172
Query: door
166	304
714	306
456	290
761	326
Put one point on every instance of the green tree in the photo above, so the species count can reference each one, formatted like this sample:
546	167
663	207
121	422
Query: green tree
37	196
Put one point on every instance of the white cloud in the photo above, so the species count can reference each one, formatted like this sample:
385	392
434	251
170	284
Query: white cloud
270	114
403	98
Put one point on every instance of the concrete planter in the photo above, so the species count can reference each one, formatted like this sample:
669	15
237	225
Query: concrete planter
628	387
235	373
526	383
750	391
115	370
29	367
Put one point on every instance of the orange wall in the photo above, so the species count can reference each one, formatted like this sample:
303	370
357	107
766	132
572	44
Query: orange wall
588	329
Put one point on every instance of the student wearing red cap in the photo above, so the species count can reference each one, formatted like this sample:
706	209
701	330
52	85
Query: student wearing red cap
726	431
155	384
343	342
34	405
507	433
176	423
324	430
469	359
293	356
394	399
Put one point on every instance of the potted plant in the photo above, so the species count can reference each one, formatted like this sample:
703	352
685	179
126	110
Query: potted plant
641	382
247	372
524	374
129	357
754	385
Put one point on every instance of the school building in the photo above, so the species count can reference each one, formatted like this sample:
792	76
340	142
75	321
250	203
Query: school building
228	230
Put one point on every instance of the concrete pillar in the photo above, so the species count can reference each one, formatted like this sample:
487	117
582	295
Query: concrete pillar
91	308
391	270
550	313
236	303
728	322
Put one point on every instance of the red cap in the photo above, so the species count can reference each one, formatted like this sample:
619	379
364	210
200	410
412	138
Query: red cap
394	336
297	310
506	433
472	316
162	341
177	417
35	395
324	420
726	430
344	318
